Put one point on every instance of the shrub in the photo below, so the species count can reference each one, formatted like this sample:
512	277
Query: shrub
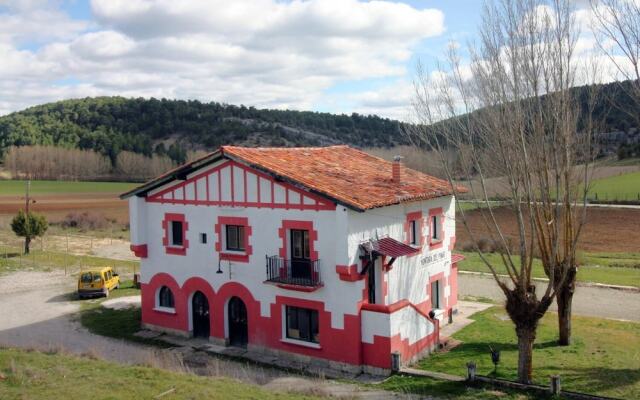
85	221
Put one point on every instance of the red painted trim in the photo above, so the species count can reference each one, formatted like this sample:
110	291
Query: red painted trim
139	250
321	203
304	225
248	230
414	216
182	250
349	273
436	212
297	288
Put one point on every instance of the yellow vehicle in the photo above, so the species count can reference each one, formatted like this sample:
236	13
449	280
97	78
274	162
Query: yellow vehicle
97	282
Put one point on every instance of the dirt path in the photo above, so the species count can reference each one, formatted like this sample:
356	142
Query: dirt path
587	301
37	313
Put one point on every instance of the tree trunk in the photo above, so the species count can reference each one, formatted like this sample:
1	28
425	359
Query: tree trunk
27	242
526	337
564	299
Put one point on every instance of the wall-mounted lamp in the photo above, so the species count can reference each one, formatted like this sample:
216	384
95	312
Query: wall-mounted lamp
219	271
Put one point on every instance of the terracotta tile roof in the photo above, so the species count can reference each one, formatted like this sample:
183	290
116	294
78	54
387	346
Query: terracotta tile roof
350	176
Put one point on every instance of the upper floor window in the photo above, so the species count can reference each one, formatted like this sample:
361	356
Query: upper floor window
435	228
413	232
235	237
177	238
413	229
175	228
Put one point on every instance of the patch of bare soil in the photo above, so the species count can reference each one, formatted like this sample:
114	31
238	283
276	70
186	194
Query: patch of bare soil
57	206
607	229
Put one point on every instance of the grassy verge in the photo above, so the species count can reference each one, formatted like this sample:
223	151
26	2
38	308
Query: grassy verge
34	375
12	260
610	269
604	358
449	390
18	187
119	324
620	187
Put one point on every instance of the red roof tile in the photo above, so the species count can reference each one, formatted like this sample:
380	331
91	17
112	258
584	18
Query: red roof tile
345	174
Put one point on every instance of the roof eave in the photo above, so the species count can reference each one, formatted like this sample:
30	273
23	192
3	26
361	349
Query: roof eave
177	174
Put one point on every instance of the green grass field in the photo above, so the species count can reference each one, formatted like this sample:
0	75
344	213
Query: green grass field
12	260
607	268
621	187
603	359
35	375
16	188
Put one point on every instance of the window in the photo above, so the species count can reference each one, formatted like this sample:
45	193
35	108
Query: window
86	277
96	277
203	238
302	324
165	297
435	227
235	237
435	294
299	244
413	232
176	233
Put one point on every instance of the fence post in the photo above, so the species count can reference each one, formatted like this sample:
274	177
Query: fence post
471	371
555	385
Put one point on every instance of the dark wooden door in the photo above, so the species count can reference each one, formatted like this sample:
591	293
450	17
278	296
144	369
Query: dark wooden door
200	315
238	324
300	262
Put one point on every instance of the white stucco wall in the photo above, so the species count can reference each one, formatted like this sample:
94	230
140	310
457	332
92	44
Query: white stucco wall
201	260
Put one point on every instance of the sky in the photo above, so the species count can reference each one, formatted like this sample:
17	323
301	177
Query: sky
338	56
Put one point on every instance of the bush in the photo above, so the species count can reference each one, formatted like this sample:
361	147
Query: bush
85	221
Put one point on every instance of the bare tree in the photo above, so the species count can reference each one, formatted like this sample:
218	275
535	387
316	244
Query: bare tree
617	31
510	112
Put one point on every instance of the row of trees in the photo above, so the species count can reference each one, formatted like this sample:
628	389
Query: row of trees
532	130
109	125
58	163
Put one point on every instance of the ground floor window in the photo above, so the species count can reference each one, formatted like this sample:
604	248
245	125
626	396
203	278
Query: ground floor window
435	294
165	297
302	324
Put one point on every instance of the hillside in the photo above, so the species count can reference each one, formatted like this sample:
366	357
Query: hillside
112	124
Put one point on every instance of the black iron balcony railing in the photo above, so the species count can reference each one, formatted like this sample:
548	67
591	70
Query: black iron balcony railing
293	272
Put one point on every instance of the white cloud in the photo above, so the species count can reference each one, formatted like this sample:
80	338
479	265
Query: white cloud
265	53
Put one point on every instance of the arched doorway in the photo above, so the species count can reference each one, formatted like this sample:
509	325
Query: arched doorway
238	326
200	315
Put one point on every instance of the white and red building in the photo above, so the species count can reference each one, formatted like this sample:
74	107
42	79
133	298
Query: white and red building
321	254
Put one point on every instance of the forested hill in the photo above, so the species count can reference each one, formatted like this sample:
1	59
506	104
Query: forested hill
113	124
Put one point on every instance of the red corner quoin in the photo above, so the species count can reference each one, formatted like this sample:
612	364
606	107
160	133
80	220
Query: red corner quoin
139	250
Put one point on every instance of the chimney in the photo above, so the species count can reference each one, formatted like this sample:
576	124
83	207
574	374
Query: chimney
395	169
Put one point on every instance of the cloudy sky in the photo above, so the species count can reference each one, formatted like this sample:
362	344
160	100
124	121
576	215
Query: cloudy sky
323	55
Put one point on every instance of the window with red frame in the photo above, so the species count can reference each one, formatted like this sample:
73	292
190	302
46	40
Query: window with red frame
233	238
175	228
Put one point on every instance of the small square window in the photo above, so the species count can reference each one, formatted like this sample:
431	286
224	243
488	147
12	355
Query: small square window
203	238
176	233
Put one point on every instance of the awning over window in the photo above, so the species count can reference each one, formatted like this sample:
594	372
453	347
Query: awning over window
389	247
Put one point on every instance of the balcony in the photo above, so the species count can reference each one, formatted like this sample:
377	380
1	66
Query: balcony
301	275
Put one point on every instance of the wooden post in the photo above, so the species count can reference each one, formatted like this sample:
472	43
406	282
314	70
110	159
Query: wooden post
471	371
555	385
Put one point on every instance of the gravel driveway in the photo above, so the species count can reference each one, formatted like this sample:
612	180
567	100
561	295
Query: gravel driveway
588	301
36	312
